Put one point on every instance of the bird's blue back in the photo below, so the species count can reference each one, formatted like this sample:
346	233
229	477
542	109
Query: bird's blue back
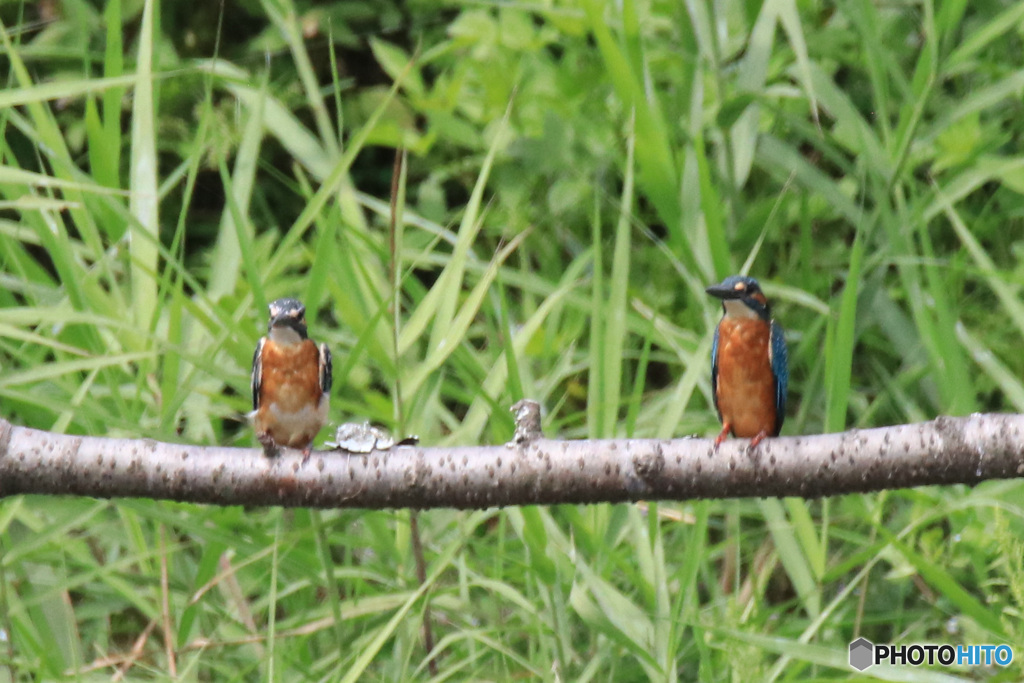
780	370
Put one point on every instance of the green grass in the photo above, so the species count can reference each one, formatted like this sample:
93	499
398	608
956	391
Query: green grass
576	175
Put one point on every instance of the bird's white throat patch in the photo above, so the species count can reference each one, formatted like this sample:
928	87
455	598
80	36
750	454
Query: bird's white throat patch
734	308
284	335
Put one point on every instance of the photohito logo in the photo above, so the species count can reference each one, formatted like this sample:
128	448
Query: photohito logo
864	653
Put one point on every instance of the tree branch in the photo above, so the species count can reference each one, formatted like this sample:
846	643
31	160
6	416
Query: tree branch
529	470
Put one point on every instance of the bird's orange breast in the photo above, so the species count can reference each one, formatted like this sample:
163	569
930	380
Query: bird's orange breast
291	375
293	407
746	385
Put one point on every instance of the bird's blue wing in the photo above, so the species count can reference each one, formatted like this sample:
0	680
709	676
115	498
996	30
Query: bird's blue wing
714	372
326	376
779	357
257	373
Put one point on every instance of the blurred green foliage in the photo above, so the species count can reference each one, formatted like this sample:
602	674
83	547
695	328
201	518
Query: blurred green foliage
576	173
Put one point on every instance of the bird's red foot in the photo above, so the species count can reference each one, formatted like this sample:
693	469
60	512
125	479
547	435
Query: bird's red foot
761	435
306	452
269	447
722	436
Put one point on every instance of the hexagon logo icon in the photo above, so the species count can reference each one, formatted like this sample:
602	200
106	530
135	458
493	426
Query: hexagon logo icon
862	653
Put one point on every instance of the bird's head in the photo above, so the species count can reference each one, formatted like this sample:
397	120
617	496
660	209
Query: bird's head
287	321
741	297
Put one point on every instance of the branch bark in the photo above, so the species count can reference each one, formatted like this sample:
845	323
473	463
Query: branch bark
529	470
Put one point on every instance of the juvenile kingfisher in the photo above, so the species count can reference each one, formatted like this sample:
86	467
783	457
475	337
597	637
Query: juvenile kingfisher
749	366
291	381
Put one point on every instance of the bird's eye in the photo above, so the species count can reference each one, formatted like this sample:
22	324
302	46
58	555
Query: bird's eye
739	287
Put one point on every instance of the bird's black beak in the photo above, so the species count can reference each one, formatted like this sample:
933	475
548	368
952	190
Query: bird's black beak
723	291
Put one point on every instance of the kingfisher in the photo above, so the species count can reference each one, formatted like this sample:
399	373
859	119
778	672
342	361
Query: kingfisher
291	381
749	365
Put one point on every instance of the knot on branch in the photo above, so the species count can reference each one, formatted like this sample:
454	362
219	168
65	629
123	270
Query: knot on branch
648	465
419	473
949	444
947	426
527	412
